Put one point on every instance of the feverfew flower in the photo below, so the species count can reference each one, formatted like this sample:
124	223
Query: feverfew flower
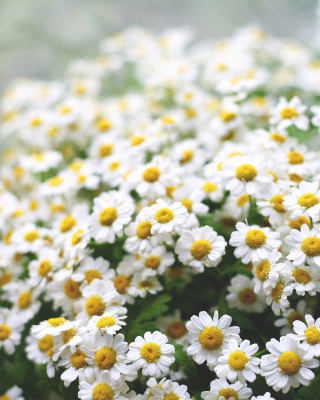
253	243
200	247
237	362
210	336
13	393
221	389
151	353
107	323
309	335
290	113
287	365
101	388
10	328
277	296
305	278
172	390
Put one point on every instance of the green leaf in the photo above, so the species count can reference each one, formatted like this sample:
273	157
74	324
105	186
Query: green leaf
311	392
154	308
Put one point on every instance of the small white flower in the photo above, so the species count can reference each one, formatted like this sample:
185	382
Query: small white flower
309	335
277	295
266	396
305	279
172	390
287	365
290	113
221	389
291	315
108	323
13	393
10	328
151	353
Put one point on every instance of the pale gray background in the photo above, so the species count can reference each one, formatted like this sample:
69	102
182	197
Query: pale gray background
39	37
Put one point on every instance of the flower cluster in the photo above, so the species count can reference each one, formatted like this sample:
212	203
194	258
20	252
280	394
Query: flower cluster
163	172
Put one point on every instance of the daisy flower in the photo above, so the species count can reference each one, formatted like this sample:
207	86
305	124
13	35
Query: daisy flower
123	278
171	391
141	285
266	396
309	335
221	389
200	247
166	218
25	300
288	113
13	393
245	174
266	272
305	246
108	323
41	351
154	263
277	296
91	269
10	328
174	327
289	316
151	353
243	297
101	388
253	243
210	336
41	270
108	354
305	278
237	362
111	211
304	200
52	326
286	366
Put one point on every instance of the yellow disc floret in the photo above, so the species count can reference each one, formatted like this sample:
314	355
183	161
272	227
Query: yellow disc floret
246	172
108	216
295	158
68	335
105	358
176	329
227	394
152	262
105	322
312	335
227	116
237	360
78	359
164	215
276	292
67	224
289	363
72	289
188	204
94	306
31	236
311	246
308	200
209	187
92	274
277	203
44	268
200	249
262	270
288	113
151	352
5	332
102	391
56	321
211	338
171	396
301	276
247	296
105	150
121	283
45	343
151	174
255	238
143	230
24	300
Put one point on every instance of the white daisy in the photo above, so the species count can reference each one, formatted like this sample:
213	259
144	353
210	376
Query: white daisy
51	326
200	247
210	336
141	286
154	263
91	269
13	393
305	279
288	113
277	296
253	243
108	323
309	335
266	396
10	328
174	327
287	365
289	316
221	389
171	391
151	353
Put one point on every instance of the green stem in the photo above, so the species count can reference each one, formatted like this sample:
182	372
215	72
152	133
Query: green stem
251	209
311	223
260	353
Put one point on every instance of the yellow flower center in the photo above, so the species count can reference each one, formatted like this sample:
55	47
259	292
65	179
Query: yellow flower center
188	204
151	352
247	296
31	236
57	208
295	158
5	397
56	321
176	329
104	322
143	230
277	203
211	338
102	391
121	283
308	200
209	187
135	141
200	249
92	274
151	174
5	332
5	278
152	262
312	335
311	246
262	270
164	215
171	396
227	394
44	268
145	285
255	238
288	113
94	306
77	237
175	272
72	289
289	363
78	359
55	181
227	116
45	343
24	300
297	223
35	122
105	358
103	124
190	113
295	316
17	213
237	360
67	224
108	216
301	276
105	150
38	157
242	200
187	156
246	172
68	335
276	137
276	292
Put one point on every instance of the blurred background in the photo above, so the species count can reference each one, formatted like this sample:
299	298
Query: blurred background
39	37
